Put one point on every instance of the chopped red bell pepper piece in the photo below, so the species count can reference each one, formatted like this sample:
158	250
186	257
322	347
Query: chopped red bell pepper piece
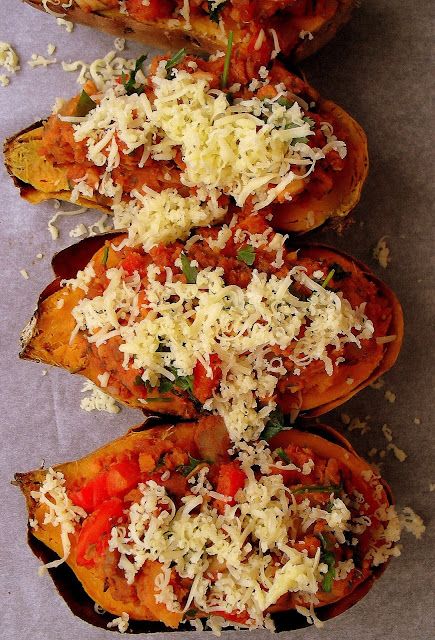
203	386
96	530
118	479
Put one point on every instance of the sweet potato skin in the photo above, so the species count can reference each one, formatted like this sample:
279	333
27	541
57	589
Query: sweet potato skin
46	339
205	35
321	439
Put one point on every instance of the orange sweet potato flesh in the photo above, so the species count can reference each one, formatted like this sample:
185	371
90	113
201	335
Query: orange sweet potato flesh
206	36
47	339
143	610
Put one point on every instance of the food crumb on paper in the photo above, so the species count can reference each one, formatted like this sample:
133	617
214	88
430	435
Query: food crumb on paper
24	274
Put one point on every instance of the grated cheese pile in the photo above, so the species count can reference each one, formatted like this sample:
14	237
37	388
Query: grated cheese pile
61	512
238	543
239	325
98	400
9	60
251	148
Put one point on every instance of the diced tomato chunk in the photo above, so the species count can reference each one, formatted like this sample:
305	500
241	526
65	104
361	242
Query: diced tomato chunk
96	530
203	386
114	481
134	262
231	479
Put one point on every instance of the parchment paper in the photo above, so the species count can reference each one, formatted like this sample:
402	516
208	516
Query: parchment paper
379	69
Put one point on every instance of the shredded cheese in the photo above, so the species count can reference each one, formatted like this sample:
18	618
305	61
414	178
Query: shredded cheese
98	400
412	522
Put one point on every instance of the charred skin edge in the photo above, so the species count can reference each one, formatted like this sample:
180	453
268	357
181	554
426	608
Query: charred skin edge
301	216
321	438
69	261
205	36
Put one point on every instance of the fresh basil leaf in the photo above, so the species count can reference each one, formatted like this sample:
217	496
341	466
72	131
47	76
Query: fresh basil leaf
247	255
84	105
190	272
165	385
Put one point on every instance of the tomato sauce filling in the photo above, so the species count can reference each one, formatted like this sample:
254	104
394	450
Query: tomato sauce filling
60	148
351	364
315	480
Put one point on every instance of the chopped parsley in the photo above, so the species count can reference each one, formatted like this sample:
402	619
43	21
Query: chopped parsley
85	104
224	78
328	558
282	454
247	255
172	62
105	255
190	272
129	85
185	469
339	272
328	278
274	425
317	489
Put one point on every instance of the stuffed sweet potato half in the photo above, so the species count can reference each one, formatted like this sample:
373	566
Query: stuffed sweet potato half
298	28
167	525
201	131
232	321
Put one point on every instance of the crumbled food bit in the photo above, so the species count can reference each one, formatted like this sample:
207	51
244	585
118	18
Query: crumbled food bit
69	26
99	609
39	256
51	48
431	486
8	58
345	418
417	421
356	423
119	44
303	34
40	61
377	384
372	452
399	453
390	396
382	453
98	400
24	274
44	372
121	623
387	432
349	381
381	252
4	80
412	522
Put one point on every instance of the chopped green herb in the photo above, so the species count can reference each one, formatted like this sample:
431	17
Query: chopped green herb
285	103
165	385
318	489
185	469
158	399
329	559
139	382
224	78
129	85
291	125
274	425
325	542
247	255
190	272
84	105
304	140
329	507
339	272
308	121
105	255
214	10
192	612
328	278
282	454
172	62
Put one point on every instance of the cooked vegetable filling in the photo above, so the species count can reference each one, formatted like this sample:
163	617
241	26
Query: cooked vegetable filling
232	321
239	535
180	135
